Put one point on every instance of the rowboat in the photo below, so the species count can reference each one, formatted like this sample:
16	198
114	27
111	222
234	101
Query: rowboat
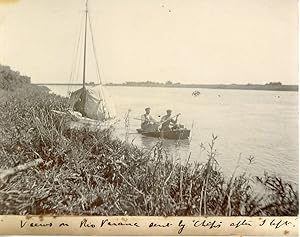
176	134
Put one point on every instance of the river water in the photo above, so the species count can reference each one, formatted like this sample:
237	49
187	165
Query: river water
263	124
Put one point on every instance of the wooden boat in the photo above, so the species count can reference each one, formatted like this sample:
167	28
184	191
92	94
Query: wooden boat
89	107
176	134
74	120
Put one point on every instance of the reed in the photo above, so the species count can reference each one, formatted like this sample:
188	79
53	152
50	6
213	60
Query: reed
92	173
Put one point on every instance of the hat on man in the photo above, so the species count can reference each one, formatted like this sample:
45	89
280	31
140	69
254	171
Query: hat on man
169	110
148	108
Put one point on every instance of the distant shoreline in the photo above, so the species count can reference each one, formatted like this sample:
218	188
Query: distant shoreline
205	86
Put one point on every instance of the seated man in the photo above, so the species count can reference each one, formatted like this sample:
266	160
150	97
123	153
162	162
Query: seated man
168	122
148	123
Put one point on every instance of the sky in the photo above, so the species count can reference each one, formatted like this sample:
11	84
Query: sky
186	41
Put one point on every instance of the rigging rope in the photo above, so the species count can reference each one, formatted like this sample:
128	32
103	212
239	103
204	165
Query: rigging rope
79	58
74	73
94	50
97	65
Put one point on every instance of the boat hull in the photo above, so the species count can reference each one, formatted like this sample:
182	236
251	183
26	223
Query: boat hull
73	120
179	134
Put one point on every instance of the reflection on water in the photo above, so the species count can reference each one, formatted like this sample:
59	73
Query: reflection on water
263	124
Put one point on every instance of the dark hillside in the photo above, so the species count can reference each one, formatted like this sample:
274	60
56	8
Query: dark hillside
10	80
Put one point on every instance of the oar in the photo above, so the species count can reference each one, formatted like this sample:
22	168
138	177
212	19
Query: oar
190	139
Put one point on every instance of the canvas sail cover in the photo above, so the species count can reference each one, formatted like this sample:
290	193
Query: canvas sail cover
94	103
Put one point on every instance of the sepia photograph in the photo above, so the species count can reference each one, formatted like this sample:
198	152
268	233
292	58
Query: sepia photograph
163	108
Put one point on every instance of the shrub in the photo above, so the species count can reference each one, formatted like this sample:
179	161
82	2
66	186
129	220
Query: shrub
10	80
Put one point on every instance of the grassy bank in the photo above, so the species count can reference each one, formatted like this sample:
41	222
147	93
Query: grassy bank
91	173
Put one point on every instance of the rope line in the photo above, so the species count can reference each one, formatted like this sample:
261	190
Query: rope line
97	65
76	60
94	50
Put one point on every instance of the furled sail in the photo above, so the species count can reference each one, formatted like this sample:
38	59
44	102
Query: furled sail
94	103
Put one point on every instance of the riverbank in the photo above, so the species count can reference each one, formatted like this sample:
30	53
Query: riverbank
195	86
92	173
267	87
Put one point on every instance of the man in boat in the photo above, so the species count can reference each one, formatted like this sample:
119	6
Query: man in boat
148	124
168	122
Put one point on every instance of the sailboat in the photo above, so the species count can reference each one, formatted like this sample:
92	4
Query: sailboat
89	107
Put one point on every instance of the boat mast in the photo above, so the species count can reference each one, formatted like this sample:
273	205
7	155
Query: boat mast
84	49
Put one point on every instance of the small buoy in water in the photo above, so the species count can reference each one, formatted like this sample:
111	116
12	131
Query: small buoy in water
196	93
219	95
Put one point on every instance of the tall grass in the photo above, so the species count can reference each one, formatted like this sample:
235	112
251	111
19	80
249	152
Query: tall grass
92	173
